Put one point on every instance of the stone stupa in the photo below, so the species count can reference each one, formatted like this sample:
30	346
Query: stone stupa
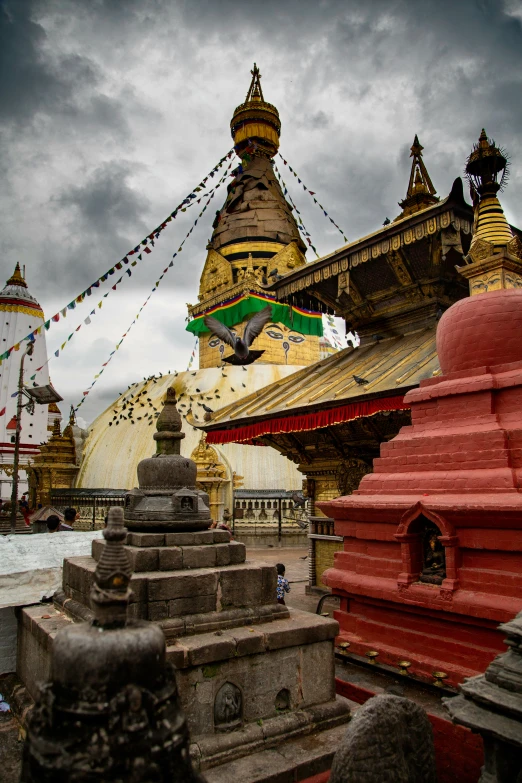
251	674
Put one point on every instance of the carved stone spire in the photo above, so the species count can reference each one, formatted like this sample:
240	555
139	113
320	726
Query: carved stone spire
169	435
421	193
110	593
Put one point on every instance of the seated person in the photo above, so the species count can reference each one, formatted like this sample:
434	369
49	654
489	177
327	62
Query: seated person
53	523
70	515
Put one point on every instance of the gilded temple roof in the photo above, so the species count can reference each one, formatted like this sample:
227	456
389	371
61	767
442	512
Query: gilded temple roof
389	367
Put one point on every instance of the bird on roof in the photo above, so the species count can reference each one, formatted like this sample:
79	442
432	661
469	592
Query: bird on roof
241	345
359	380
207	409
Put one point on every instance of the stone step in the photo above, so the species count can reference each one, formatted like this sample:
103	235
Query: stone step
178	539
173	558
288	761
296	629
159	595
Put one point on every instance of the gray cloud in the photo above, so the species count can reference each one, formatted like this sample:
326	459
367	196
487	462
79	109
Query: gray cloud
111	112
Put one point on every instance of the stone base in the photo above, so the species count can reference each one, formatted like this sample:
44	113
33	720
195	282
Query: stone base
250	673
295	759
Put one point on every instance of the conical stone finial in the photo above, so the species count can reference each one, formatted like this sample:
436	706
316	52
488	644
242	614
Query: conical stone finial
110	593
168	426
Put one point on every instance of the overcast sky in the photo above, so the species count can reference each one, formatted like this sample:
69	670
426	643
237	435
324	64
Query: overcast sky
111	112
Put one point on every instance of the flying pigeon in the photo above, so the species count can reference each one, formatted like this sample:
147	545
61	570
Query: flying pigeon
254	327
299	500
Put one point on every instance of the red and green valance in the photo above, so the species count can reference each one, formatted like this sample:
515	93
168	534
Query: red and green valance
235	310
307	421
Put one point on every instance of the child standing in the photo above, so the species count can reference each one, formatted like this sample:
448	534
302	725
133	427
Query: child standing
282	583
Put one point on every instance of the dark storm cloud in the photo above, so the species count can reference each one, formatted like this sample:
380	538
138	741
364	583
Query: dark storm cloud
105	201
112	110
31	80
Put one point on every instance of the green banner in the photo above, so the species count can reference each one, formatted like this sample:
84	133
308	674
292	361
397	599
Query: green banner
236	312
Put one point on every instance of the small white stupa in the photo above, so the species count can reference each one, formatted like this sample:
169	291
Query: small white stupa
20	315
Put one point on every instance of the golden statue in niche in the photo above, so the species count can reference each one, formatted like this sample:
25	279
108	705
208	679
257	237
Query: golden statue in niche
434	558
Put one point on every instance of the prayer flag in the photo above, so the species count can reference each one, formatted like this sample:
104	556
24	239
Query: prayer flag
148	250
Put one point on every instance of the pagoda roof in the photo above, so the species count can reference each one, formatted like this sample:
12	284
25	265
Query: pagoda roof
327	393
404	230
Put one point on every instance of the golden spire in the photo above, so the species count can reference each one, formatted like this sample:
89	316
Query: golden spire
255	125
494	259
255	93
484	165
16	278
420	193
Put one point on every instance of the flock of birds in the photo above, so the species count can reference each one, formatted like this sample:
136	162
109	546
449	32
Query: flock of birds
139	405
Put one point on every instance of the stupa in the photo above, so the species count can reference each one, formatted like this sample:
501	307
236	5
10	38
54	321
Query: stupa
110	710
254	234
20	316
250	672
432	556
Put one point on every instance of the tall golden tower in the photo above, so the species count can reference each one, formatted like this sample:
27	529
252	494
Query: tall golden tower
255	234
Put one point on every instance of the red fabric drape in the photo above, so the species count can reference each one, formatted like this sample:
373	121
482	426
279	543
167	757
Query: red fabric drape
308	421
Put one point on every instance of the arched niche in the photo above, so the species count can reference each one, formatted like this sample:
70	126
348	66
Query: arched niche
429	550
228	708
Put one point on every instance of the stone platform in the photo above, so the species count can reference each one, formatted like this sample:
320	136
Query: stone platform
250	673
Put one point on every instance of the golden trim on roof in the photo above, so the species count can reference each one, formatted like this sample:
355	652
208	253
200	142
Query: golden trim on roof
379	247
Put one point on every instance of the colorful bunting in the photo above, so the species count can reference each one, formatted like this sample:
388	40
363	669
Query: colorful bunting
155	233
158	282
312	193
300	224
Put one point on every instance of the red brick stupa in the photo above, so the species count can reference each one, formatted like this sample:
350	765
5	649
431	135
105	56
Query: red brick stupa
432	559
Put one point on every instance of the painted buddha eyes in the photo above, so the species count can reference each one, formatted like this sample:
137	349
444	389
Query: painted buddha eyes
276	334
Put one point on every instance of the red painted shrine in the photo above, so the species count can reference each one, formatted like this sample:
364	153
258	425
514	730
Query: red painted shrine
432	559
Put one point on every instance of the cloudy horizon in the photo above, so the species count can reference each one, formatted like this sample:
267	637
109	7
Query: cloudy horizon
111	113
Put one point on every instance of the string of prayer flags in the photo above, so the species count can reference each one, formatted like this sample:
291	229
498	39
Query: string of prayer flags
312	193
211	195
143	245
300	224
193	354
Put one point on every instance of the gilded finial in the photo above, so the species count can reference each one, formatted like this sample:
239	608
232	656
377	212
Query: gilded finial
17	278
255	93
420	193
487	167
255	126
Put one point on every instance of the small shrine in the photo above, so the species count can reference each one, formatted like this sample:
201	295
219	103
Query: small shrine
251	674
432	555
